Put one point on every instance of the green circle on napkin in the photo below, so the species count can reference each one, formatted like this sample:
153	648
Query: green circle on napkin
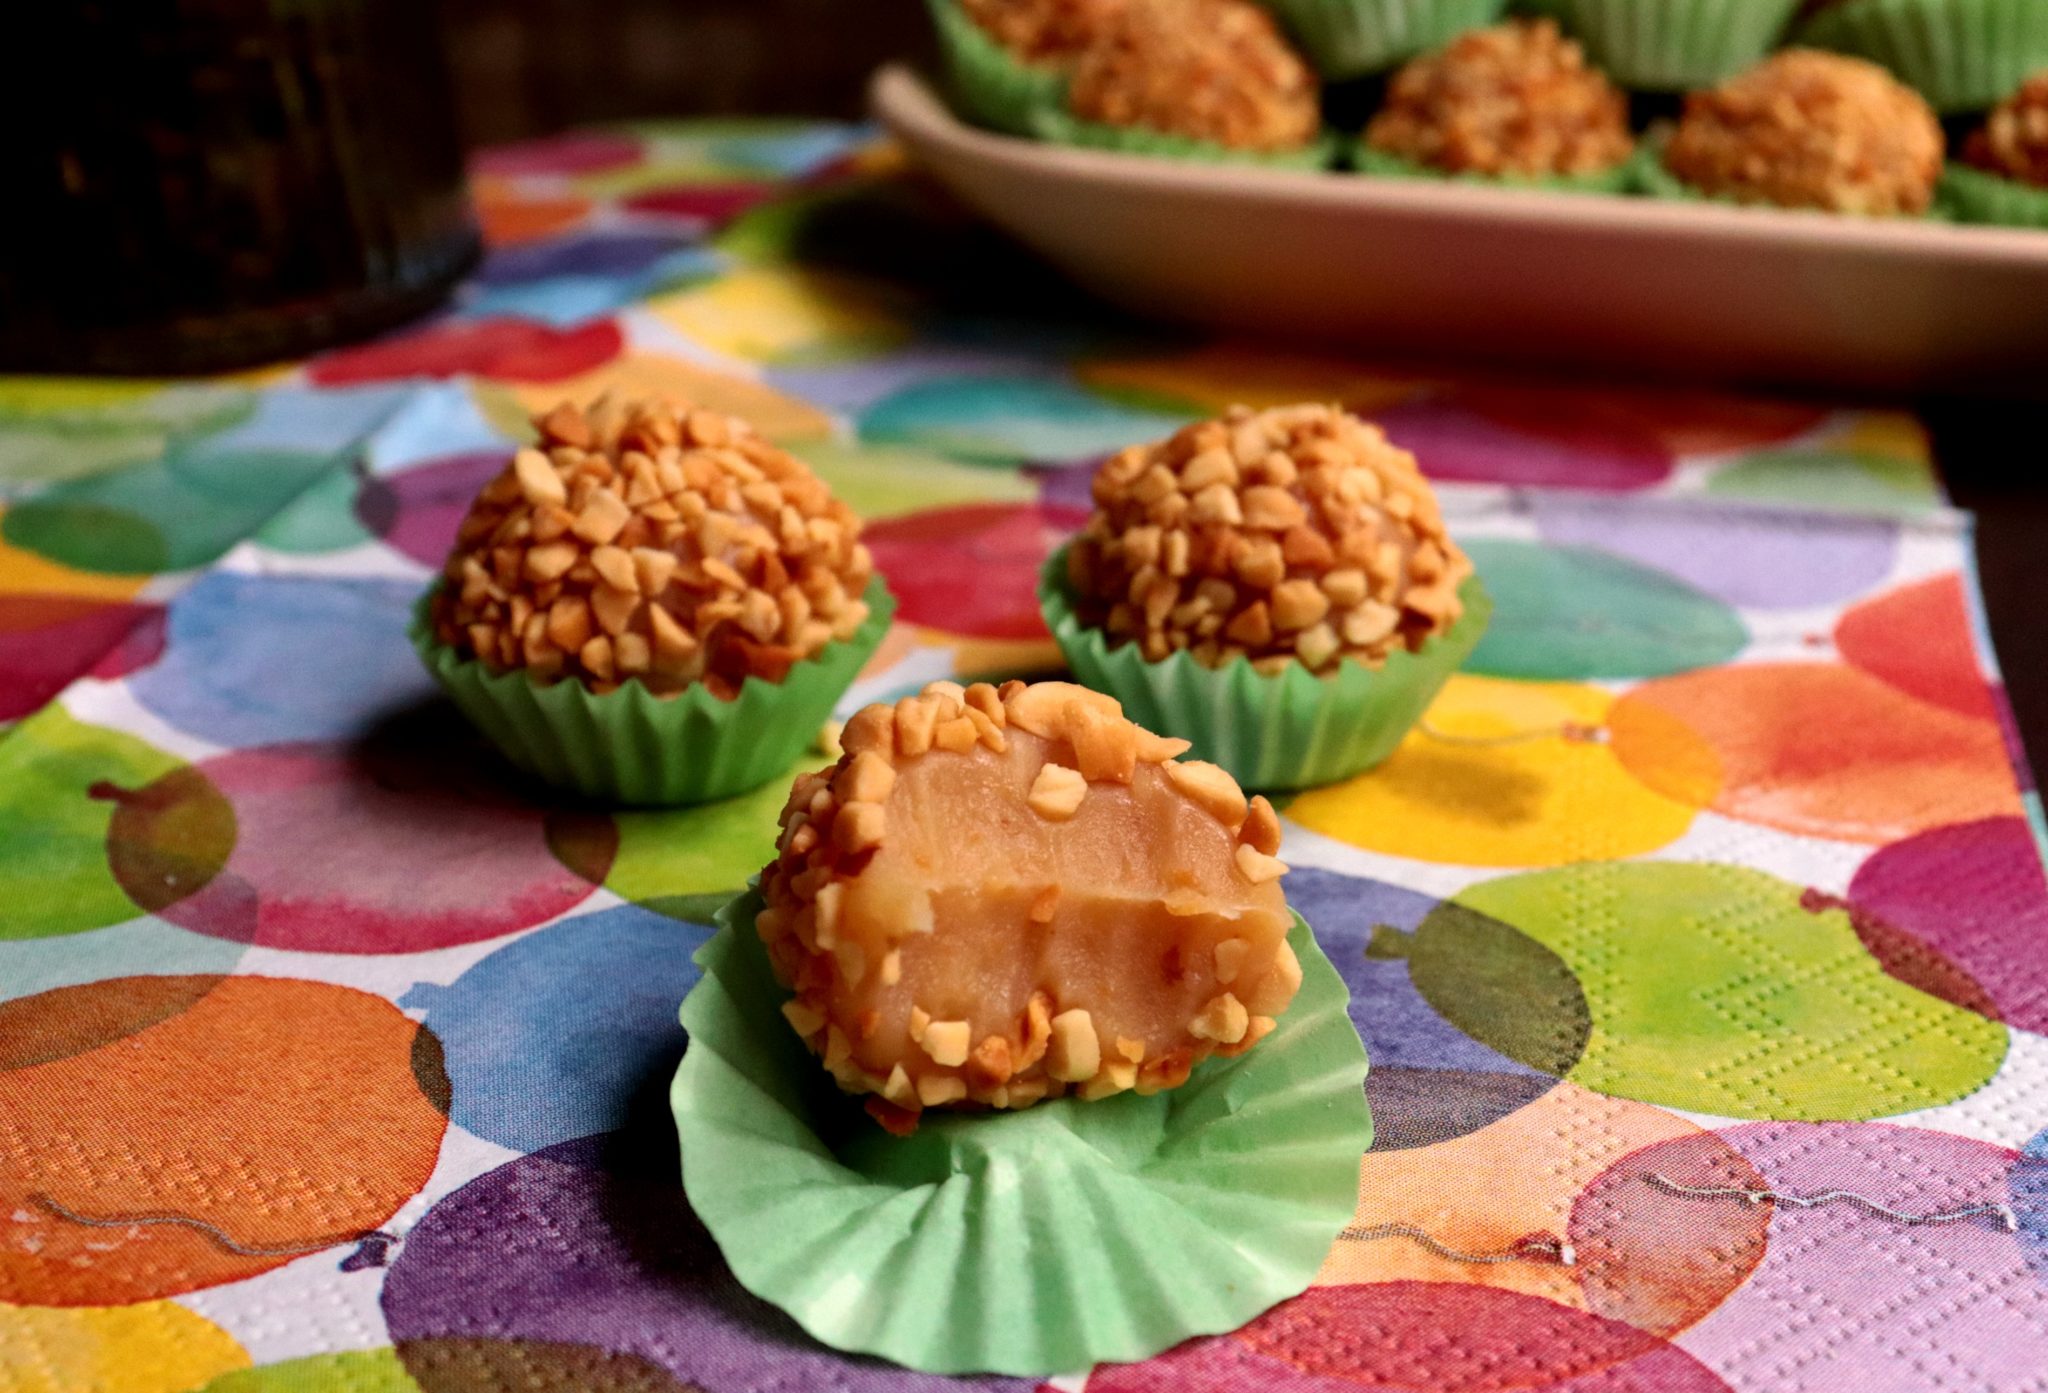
1027	1243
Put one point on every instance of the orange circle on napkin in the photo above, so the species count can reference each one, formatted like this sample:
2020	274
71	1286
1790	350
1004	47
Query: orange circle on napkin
269	1113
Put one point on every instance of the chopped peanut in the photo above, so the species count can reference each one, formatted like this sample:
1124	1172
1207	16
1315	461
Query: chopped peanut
1212	787
621	505
1258	867
870	910
1328	545
1224	1020
1075	1054
947	1041
1229	958
1224	75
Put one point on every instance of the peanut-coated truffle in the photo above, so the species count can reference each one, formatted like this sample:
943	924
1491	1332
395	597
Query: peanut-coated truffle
1215	70
2013	141
1042	33
651	542
1807	129
1299	534
1515	99
998	896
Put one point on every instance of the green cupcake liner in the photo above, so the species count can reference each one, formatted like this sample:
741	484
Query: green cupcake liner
630	746
1380	165
1026	1243
1276	733
1349	38
1064	128
1973	195
1648	175
1672	45
1962	55
987	83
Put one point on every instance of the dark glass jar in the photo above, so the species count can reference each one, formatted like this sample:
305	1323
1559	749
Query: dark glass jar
211	184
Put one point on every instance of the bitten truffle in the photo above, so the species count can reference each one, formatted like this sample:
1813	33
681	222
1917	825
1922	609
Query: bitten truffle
652	542
2013	141
1807	129
1215	70
1042	33
999	896
1299	534
1516	99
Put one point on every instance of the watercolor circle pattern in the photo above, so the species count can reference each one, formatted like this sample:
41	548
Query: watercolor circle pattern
509	350
1683	421
1757	558
388	847
55	774
1978	1315
1503	773
2027	1187
1569	612
776	415
353	1371
331	653
591	1244
687	862
418	510
1399	1335
1009	420
1215	376
48	641
1939	662
1881	765
971	569
281	1113
177	512
1832	475
1430	1081
1544	1167
1473	438
1669	957
596	1023
786	315
1961	912
1658	1265
149	1347
579	152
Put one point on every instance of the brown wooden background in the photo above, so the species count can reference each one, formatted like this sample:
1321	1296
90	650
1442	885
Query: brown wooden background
529	67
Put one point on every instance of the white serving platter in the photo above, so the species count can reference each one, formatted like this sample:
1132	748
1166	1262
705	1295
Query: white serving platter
1633	285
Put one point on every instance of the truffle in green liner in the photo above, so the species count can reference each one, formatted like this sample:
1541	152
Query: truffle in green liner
1276	586
1192	79
1349	38
1515	104
1005	59
1281	731
652	604
632	747
1063	128
1672	45
2003	175
1962	55
1803	129
1025	1243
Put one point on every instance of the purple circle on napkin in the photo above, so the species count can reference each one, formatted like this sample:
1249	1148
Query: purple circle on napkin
1756	557
591	1244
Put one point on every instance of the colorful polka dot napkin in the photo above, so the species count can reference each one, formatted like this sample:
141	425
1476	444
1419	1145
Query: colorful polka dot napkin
1698	935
